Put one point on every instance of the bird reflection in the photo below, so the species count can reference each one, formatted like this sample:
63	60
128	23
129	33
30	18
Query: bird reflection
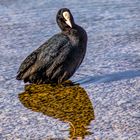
67	102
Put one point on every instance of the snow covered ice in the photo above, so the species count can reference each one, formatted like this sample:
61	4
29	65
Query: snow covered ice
110	73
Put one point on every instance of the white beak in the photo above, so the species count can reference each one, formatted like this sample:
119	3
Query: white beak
69	23
66	15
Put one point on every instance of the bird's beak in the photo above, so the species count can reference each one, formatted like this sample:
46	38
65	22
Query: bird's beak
69	23
66	15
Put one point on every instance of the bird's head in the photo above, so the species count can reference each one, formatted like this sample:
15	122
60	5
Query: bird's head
65	19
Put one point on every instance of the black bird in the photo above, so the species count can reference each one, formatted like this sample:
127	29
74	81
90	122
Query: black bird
57	59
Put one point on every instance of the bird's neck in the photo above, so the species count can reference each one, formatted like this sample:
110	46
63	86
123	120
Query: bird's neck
71	31
72	35
77	35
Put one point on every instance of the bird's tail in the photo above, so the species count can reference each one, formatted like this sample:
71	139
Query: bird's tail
19	76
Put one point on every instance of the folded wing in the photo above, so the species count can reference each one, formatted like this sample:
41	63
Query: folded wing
46	61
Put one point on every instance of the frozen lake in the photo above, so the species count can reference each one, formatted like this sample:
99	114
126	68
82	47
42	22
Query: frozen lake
110	73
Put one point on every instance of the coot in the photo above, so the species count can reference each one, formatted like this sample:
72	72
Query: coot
57	59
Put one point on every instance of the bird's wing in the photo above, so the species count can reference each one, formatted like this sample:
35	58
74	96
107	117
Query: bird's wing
26	64
59	68
55	53
44	56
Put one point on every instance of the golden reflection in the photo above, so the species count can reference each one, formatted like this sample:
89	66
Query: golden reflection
67	102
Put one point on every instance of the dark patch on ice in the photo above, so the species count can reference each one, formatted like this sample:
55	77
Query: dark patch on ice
68	103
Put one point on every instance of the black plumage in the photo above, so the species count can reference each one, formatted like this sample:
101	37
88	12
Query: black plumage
57	59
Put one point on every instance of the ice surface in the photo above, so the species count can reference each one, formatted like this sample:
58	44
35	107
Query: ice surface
110	72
